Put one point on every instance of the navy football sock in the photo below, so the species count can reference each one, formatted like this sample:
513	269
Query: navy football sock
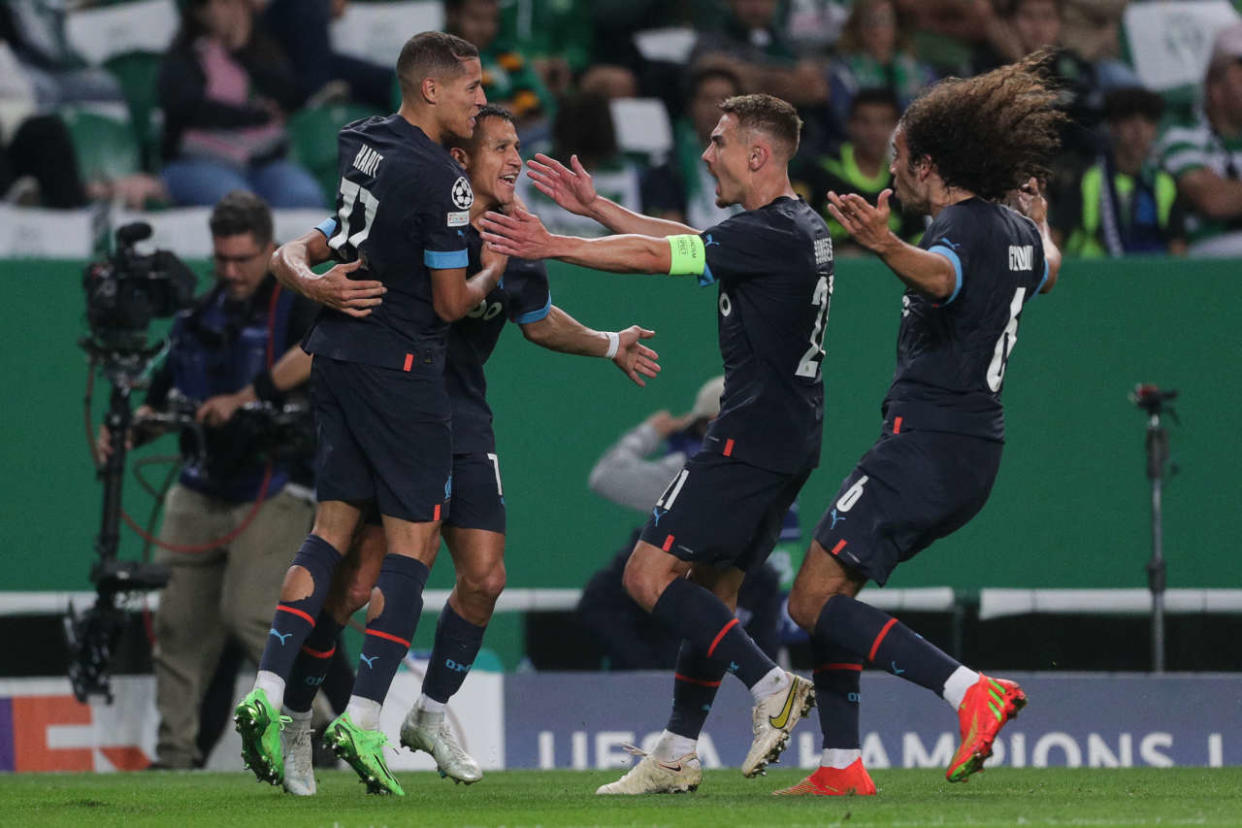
401	581
698	616
694	689
836	674
457	643
311	666
884	641
295	619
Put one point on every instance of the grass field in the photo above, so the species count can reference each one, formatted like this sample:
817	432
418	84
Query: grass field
1140	796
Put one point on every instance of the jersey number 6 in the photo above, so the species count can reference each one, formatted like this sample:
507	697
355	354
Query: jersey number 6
1004	345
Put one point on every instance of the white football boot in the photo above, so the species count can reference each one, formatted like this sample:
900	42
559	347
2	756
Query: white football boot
773	720
429	732
652	775
295	740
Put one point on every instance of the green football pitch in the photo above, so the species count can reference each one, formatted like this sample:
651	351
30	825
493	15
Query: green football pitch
1142	796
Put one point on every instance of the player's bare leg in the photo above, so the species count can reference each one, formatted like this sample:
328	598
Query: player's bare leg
655	579
823	603
306	585
392	616
478	559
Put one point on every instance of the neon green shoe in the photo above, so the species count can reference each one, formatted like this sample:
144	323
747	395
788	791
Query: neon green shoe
362	750
259	725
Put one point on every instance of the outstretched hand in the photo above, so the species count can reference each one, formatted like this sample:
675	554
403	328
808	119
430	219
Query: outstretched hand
1029	201
572	189
521	235
867	224
635	359
335	289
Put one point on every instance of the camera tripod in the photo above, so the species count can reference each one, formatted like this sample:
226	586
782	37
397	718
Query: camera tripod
1155	402
92	634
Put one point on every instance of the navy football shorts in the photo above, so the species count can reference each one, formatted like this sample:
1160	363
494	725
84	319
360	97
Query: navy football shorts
722	512
478	494
909	490
383	436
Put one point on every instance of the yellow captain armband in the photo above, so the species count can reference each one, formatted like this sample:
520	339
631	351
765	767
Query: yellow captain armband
689	257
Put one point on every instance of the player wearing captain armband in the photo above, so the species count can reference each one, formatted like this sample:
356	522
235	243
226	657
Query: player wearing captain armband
721	515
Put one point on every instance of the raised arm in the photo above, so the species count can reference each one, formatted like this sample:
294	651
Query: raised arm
558	331
1030	202
523	235
574	190
929	273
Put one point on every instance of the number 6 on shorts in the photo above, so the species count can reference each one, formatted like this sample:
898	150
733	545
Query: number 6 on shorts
846	501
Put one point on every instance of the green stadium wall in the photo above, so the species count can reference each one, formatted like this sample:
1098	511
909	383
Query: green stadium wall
1070	508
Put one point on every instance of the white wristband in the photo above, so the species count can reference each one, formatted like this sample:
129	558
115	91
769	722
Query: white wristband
614	342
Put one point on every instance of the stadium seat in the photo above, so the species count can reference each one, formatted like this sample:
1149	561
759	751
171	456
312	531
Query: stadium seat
643	128
137	26
105	147
377	31
312	133
1170	43
138	72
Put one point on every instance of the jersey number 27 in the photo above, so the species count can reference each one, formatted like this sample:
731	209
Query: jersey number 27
809	365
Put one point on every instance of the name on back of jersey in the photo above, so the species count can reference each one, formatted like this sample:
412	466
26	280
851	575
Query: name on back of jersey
1021	257
823	251
367	161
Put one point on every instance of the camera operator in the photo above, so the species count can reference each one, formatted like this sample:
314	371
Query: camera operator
238	344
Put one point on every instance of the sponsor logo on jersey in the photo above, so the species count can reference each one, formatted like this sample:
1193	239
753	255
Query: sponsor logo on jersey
461	193
459	219
1021	257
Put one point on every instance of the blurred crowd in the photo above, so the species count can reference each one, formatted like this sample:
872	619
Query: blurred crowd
249	94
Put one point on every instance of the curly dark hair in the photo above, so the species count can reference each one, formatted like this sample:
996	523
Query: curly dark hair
990	133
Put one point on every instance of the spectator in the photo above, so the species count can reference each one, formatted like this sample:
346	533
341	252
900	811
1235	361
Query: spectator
682	189
37	165
1092	30
1125	203
750	43
301	27
35	30
1036	25
583	127
1205	156
631	638
875	54
509	80
860	166
557	36
225	90
238	344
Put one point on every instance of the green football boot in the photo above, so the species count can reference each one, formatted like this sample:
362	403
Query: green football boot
362	750
259	725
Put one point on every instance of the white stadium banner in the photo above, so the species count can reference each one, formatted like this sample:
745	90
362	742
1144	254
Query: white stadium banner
1171	42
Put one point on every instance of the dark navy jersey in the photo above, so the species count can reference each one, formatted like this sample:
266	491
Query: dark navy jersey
521	296
952	355
774	266
402	208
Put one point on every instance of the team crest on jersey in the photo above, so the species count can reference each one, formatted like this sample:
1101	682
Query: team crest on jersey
462	195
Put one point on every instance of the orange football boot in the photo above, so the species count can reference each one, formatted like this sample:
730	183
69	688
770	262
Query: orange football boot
984	710
850	781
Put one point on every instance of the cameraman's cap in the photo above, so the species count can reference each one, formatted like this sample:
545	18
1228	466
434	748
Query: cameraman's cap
707	401
1227	47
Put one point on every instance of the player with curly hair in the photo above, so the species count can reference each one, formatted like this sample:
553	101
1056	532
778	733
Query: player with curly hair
960	150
